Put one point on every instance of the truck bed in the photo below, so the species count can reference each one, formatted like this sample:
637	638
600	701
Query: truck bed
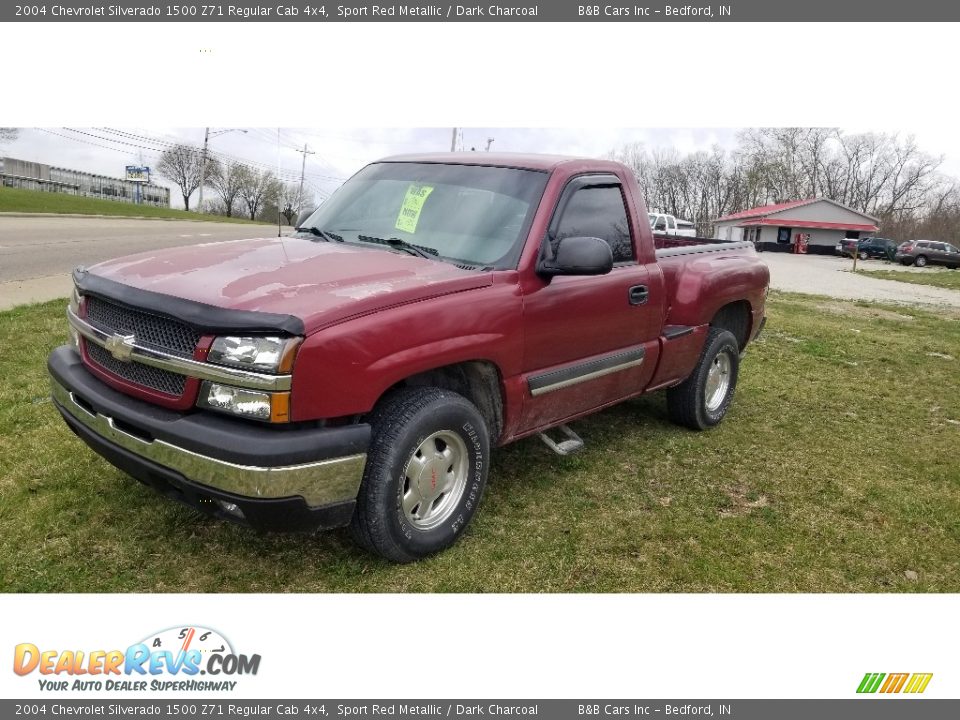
710	270
672	245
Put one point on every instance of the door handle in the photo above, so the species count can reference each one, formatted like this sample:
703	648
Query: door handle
638	295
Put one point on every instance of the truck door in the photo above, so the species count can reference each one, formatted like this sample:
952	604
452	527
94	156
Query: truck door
590	341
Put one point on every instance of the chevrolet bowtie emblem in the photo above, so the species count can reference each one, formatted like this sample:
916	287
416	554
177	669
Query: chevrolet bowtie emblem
120	346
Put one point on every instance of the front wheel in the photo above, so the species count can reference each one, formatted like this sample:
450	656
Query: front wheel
863	255
425	474
702	400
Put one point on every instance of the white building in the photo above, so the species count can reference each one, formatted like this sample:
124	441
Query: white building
775	227
28	175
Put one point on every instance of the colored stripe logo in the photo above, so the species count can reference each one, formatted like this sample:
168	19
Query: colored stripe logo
913	683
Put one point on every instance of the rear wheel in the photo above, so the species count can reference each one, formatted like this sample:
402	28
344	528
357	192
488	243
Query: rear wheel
425	474
863	255
920	261
702	400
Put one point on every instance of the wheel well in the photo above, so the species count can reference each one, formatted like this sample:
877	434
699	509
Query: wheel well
736	318
476	380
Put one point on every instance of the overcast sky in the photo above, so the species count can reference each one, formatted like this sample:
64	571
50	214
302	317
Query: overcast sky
338	153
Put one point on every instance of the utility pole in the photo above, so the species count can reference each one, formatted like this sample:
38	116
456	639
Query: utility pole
303	170
203	168
453	141
279	224
139	185
489	143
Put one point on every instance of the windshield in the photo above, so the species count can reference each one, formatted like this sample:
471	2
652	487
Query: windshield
463	214
652	218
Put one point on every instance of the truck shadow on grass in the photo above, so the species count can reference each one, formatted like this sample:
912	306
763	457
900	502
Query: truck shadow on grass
236	558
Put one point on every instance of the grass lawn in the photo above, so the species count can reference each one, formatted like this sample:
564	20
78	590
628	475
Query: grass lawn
945	279
32	201
837	469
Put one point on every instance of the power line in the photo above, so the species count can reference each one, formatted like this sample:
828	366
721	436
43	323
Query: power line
118	142
216	153
139	142
81	140
133	136
352	138
153	154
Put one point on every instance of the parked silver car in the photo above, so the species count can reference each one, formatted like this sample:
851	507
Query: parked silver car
923	252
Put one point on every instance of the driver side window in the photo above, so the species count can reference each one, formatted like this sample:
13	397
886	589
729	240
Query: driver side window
599	212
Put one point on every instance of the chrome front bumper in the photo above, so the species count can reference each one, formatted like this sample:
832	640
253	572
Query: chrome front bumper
319	483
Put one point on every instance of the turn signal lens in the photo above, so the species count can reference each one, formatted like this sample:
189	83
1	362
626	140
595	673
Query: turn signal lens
75	301
280	407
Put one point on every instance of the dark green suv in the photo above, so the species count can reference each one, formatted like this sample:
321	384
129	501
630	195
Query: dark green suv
870	247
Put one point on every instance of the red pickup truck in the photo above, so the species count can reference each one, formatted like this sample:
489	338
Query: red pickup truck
359	371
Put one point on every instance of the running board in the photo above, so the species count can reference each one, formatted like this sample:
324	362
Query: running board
572	444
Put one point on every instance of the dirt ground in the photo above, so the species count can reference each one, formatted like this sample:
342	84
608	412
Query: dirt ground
832	276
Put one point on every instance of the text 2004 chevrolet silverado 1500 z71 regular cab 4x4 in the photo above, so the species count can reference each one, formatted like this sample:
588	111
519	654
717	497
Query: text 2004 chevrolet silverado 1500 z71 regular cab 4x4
359	371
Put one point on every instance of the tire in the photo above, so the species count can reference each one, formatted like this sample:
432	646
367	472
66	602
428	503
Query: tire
421	429
863	255
920	261
693	403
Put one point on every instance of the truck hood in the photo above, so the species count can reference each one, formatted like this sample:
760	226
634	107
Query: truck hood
320	283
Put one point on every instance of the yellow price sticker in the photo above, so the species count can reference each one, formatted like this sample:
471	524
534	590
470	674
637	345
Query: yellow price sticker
412	206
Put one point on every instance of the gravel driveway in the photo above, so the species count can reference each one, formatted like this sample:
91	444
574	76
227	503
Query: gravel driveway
823	275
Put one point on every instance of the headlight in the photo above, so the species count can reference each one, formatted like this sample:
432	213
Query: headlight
270	354
253	404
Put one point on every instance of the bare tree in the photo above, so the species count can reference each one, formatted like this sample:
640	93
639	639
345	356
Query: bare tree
257	188
181	164
293	201
289	202
875	173
8	134
227	179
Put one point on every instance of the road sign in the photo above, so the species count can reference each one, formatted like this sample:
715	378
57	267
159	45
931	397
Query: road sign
138	174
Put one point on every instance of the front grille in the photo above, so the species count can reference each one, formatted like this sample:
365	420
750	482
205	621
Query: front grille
138	373
153	331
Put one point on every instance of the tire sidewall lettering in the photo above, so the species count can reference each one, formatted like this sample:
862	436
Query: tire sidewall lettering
469	500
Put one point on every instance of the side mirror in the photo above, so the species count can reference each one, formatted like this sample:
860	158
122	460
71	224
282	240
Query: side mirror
578	256
304	215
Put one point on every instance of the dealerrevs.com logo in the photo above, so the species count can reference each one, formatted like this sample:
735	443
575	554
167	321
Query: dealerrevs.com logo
892	683
176	659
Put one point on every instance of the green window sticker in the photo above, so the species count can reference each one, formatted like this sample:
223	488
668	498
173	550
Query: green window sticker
412	206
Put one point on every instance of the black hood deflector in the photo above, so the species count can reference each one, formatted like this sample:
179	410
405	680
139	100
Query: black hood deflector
203	317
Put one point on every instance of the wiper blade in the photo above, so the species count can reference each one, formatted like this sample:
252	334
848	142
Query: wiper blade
425	252
328	236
